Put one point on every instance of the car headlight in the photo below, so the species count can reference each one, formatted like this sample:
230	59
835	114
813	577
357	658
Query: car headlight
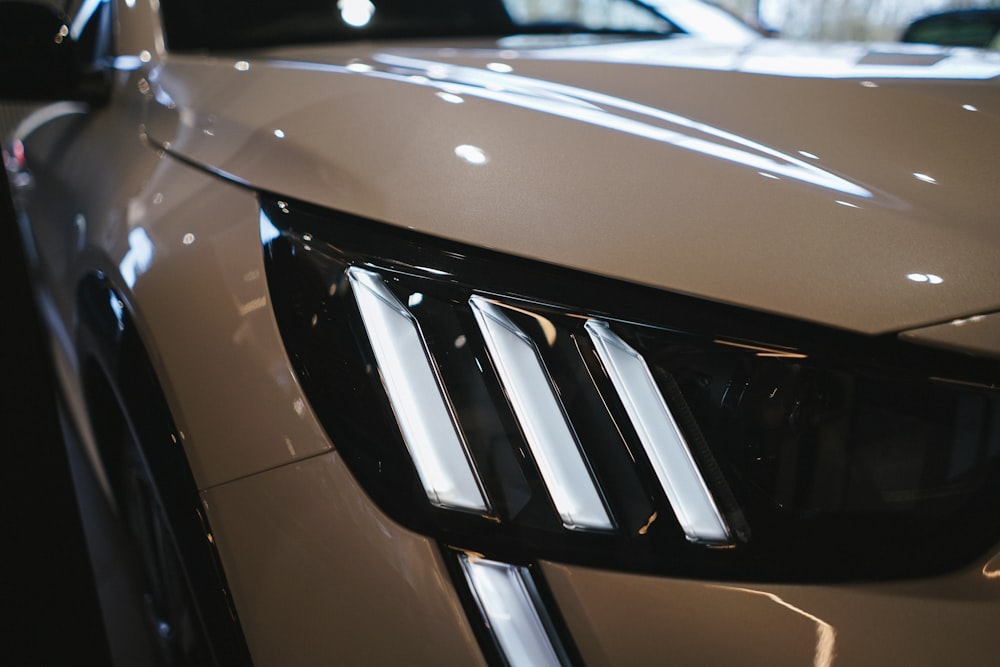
524	412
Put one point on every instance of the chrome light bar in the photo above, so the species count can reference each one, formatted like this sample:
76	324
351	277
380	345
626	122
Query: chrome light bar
660	436
513	612
422	411
543	420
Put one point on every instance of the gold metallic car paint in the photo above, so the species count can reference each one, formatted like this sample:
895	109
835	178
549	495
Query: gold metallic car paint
234	396
183	250
621	619
138	28
318	574
810	197
323	577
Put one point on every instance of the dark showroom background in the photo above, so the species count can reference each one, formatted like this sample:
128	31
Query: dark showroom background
48	593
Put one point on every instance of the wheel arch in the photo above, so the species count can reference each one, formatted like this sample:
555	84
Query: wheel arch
126	404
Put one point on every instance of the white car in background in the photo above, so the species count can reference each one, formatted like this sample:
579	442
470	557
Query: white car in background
521	333
708	21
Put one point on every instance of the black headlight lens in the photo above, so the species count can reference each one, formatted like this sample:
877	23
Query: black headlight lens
614	425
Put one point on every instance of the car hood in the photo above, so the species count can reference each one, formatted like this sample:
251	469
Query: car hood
849	185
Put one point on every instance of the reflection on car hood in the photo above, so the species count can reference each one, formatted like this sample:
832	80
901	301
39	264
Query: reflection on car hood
849	185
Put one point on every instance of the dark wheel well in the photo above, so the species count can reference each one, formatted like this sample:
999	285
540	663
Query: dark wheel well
189	607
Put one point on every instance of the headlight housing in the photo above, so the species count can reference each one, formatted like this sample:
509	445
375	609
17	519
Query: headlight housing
525	412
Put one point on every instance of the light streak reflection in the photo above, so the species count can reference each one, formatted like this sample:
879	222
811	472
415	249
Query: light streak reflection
138	257
599	109
608	111
826	635
991	570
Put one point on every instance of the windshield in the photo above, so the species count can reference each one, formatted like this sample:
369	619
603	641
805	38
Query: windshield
199	25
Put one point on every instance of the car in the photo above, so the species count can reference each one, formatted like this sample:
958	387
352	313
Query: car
978	28
710	21
518	333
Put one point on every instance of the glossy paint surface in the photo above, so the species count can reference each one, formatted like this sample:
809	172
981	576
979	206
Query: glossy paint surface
723	173
850	186
182	249
979	335
323	575
621	619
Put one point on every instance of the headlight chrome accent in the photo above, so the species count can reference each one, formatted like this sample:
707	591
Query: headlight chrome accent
507	598
422	409
660	436
542	418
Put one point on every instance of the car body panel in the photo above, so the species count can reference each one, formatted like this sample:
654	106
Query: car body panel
324	576
888	199
139	29
623	619
176	243
718	172
977	335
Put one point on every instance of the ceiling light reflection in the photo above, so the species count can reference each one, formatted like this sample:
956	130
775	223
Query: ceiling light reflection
929	278
138	257
356	13
126	63
472	154
450	98
268	232
438	71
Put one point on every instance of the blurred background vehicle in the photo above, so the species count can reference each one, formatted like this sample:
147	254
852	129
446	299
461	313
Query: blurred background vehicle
961	27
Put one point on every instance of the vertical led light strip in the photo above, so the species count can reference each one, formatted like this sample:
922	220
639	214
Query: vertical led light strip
542	419
429	432
510	605
660	436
